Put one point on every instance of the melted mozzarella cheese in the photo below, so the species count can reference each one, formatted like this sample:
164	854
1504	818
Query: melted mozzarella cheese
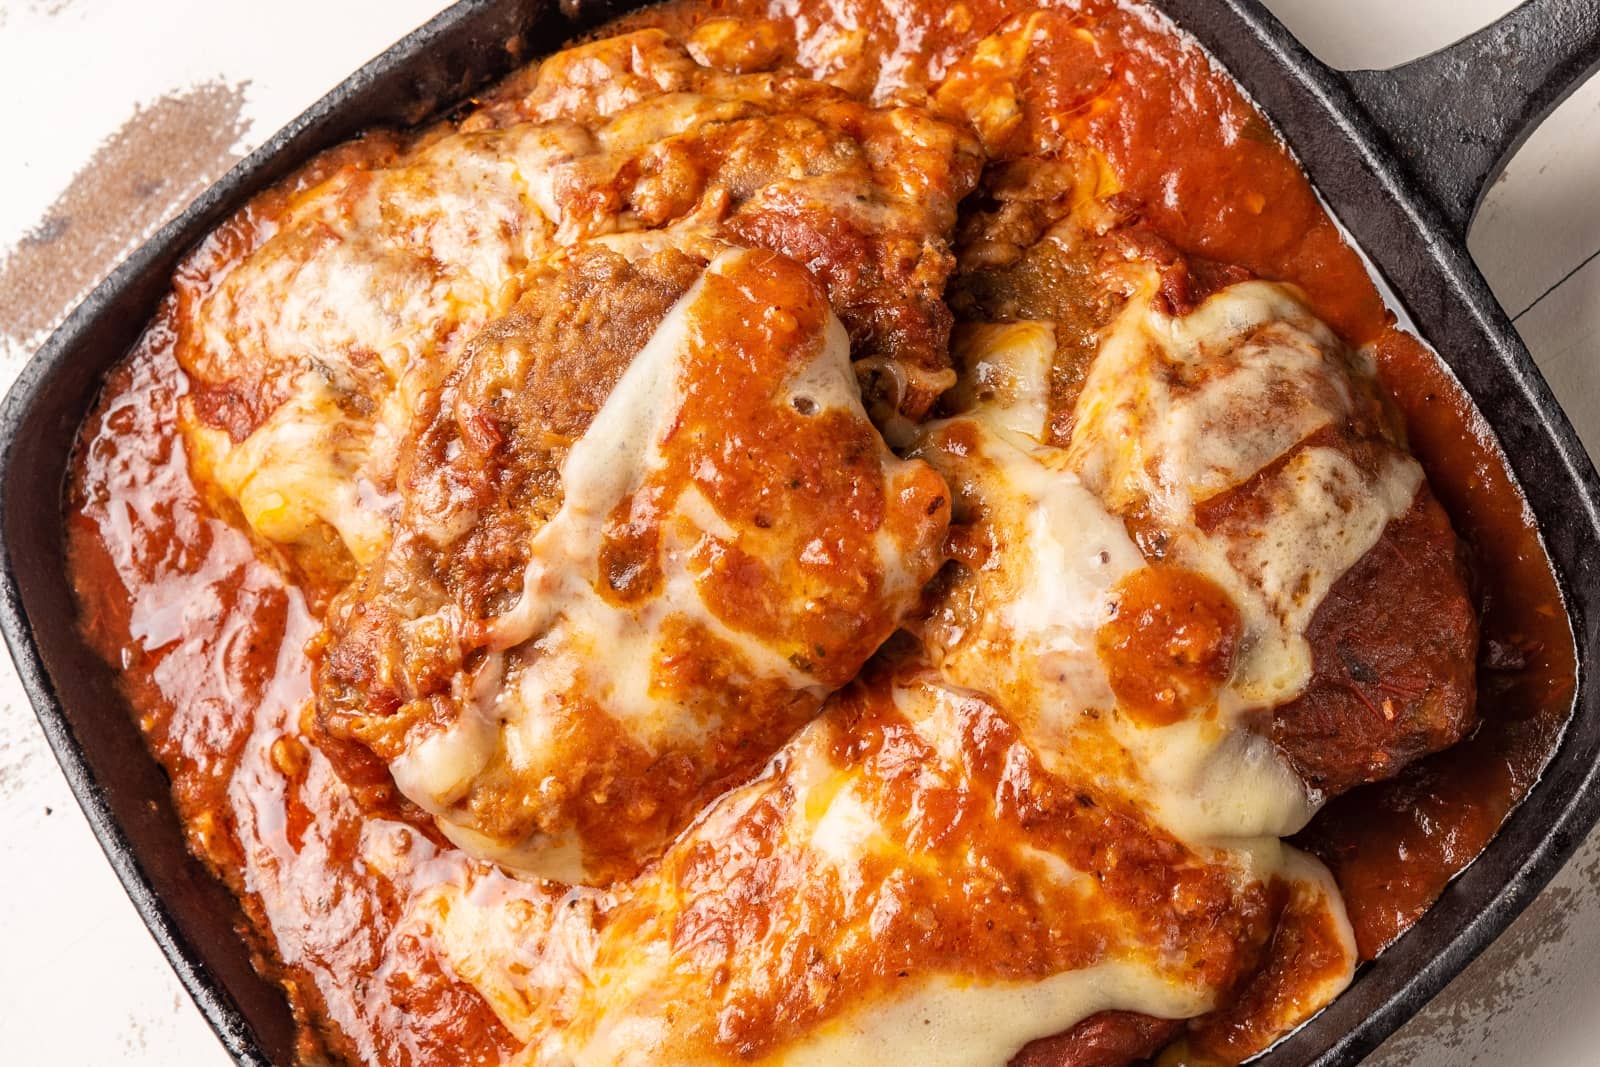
309	466
1323	514
586	642
595	989
1049	590
572	643
369	286
524	949
951	1022
1005	367
1178	409
1053	584
1058	552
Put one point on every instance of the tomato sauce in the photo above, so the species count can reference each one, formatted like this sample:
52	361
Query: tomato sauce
1209	175
209	637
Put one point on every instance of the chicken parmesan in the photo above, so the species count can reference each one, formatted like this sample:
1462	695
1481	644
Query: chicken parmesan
815	534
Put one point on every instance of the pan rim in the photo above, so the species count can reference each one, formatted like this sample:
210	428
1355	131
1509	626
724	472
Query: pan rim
1562	825
1560	828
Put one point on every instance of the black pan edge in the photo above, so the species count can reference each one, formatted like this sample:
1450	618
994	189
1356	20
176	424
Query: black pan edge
467	45
1415	245
476	40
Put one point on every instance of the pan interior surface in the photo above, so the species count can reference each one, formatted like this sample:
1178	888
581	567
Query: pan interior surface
195	918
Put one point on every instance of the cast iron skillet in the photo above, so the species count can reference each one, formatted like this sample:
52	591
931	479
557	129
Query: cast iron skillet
1403	157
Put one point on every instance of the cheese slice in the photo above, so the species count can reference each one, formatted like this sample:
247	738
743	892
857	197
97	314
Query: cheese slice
781	545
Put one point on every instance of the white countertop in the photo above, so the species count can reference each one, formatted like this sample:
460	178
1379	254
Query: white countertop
87	86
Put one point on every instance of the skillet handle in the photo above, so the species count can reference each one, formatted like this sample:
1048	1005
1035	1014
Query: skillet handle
1457	116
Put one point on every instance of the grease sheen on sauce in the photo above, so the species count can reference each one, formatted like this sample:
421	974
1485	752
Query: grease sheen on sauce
210	638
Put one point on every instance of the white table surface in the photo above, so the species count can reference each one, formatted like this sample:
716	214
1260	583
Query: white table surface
87	85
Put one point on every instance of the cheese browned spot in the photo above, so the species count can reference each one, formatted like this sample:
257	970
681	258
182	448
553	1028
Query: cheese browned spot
1245	441
1171	418
564	672
1021	621
358	290
907	878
